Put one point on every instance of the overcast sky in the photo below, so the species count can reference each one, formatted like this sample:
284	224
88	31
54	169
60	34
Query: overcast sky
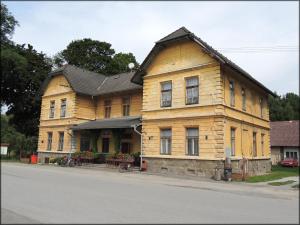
266	34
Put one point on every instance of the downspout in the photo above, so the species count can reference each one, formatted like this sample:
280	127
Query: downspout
141	134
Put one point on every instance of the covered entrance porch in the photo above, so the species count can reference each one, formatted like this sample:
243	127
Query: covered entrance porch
108	136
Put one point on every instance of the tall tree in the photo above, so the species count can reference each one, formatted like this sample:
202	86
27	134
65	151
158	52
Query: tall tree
23	70
120	61
87	53
285	107
8	24
96	56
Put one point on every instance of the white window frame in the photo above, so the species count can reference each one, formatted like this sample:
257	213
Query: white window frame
193	138
52	109
195	99
49	141
61	141
168	91
63	108
290	150
167	141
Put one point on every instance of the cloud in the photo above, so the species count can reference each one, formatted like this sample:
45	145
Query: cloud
135	26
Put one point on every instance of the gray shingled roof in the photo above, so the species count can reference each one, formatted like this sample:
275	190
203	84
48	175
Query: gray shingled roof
124	122
90	83
182	34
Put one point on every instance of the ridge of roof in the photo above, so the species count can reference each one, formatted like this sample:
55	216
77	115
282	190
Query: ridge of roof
182	31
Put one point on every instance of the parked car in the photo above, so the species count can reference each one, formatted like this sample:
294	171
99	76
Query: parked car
290	162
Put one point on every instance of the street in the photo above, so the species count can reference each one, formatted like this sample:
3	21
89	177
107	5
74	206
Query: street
50	194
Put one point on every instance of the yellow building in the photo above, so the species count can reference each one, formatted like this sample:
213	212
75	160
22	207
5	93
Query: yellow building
196	107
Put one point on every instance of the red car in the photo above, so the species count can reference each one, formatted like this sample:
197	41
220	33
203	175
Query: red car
290	162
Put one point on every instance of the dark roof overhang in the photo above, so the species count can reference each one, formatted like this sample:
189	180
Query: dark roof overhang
124	122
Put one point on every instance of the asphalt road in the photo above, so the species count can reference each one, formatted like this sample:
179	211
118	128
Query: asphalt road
48	194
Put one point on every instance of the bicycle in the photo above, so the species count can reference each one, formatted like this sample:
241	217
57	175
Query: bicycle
125	167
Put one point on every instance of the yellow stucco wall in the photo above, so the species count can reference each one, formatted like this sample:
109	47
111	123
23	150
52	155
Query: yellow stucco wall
117	106
213	115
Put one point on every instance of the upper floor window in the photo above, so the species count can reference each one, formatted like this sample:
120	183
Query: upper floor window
261	107
63	106
192	141
126	106
243	99
107	108
166	94
61	141
254	145
52	109
49	143
232	140
192	90
262	141
232	95
165	141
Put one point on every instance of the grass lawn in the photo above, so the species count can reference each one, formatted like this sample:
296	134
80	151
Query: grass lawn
277	172
281	183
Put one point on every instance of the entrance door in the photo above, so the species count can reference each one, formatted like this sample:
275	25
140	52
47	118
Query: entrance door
105	145
125	147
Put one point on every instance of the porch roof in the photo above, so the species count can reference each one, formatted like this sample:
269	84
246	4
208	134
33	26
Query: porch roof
124	122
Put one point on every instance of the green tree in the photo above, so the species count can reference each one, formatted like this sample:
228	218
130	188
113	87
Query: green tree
96	56
17	141
8	24
87	53
285	107
23	70
120	61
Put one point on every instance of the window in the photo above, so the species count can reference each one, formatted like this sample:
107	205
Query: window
232	141
243	99
261	107
63	108
49	144
126	106
192	141
291	154
52	109
254	145
165	141
232	95
107	108
192	90
262	141
166	94
84	143
61	141
105	145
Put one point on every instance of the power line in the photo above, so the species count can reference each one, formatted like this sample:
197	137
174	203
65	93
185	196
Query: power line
260	49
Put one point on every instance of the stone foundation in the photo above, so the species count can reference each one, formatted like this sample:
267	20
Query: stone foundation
203	168
44	157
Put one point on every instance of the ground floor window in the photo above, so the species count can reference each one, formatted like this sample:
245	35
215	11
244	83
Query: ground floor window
165	141
291	154
84	143
125	147
105	145
192	141
60	141
49	144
